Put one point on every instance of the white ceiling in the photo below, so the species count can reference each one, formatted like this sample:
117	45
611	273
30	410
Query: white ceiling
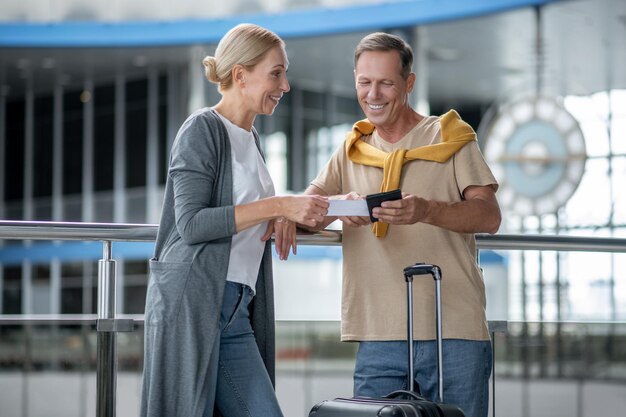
494	58
481	60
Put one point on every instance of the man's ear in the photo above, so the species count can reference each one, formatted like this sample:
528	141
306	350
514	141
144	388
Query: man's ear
411	82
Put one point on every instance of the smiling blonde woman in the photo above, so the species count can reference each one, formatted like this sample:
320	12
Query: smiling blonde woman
209	350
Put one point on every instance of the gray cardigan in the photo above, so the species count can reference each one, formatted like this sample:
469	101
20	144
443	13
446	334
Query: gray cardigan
188	274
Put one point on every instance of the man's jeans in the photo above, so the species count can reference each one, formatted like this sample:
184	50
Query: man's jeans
381	367
244	388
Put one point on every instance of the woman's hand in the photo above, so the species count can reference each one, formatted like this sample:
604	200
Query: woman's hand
308	210
284	236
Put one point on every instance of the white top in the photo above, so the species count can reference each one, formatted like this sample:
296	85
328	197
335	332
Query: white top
251	182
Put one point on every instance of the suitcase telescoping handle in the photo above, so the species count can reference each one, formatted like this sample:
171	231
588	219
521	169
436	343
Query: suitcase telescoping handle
435	271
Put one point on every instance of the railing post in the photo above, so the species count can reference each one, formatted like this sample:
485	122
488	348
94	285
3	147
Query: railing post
106	370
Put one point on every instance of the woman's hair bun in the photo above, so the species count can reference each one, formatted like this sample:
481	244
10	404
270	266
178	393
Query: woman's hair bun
210	69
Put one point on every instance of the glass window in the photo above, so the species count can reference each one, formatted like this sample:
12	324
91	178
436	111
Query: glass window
618	179
588	292
348	106
591	114
618	103
104	137
14	155
136	132
549	293
322	143
314	139
43	147
591	203
618	133
619	275
42	209
531	283
163	156
72	288
72	143
12	290
103	206
41	289
275	146
90	274
135	285
312	100
136	205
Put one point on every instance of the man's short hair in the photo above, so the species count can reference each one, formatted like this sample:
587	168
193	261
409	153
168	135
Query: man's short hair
381	41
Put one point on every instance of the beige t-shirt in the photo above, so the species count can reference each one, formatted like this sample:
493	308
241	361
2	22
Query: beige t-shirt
374	290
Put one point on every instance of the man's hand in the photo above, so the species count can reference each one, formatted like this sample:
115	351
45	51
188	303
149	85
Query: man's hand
354	221
478	212
408	210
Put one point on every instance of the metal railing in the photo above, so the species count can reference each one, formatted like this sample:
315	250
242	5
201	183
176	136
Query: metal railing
118	232
108	324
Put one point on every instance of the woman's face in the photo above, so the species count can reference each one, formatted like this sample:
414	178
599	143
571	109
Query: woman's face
265	84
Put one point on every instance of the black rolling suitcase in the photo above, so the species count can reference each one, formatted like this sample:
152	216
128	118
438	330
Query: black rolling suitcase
393	405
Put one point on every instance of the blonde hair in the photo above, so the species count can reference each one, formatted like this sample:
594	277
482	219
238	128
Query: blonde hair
245	44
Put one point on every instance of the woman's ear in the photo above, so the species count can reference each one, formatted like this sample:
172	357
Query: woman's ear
239	75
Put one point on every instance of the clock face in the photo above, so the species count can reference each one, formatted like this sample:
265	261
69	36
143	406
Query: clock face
536	151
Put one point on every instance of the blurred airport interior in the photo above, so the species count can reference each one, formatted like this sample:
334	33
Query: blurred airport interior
91	97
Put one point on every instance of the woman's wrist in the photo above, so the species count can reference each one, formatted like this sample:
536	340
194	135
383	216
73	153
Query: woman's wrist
280	207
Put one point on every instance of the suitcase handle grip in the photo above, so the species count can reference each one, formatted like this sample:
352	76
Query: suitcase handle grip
422	269
408	394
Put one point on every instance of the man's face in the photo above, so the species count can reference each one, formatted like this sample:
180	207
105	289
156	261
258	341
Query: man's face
381	90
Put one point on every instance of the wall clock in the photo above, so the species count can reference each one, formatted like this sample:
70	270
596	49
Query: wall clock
536	151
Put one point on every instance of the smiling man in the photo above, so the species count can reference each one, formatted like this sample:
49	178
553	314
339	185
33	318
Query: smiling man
448	195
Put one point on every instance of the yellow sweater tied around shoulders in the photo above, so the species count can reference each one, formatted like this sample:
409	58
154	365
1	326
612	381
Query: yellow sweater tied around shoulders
455	133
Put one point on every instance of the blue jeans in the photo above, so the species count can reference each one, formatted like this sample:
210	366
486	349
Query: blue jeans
381	367
243	387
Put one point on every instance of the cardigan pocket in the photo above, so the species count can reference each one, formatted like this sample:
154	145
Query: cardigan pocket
165	291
